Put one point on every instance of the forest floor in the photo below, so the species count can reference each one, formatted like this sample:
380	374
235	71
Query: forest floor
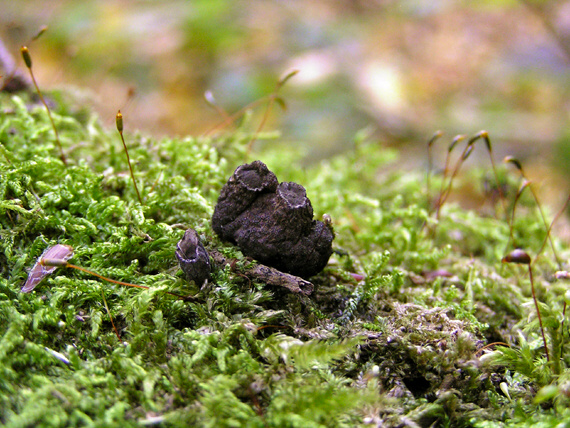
415	321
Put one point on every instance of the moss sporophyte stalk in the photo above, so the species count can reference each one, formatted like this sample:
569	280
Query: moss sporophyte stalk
245	311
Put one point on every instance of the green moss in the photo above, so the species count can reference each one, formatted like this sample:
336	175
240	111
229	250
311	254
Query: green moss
398	344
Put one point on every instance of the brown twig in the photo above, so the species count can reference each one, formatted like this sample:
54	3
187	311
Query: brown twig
268	275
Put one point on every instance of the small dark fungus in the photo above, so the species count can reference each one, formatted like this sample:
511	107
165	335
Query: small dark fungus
193	257
272	223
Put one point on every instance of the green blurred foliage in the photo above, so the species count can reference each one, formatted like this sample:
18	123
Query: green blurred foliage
404	68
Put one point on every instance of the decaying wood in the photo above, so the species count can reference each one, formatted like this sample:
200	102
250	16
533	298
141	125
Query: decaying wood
268	275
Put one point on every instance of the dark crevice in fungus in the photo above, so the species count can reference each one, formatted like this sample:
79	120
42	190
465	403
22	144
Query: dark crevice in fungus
272	223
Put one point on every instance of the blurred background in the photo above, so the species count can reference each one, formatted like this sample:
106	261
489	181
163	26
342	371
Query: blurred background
399	69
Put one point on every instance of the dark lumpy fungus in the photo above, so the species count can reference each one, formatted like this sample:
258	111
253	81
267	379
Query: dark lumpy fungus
271	222
193	258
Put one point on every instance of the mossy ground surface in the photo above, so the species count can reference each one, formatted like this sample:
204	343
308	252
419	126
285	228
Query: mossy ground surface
394	345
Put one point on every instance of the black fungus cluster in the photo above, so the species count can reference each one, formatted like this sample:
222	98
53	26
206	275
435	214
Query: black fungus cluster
272	222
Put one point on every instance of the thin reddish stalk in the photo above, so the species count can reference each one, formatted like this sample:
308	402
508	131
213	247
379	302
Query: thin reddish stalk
119	120
28	61
110	316
128	284
538	311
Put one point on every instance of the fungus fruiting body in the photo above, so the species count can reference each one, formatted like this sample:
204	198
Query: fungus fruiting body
193	257
272	222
